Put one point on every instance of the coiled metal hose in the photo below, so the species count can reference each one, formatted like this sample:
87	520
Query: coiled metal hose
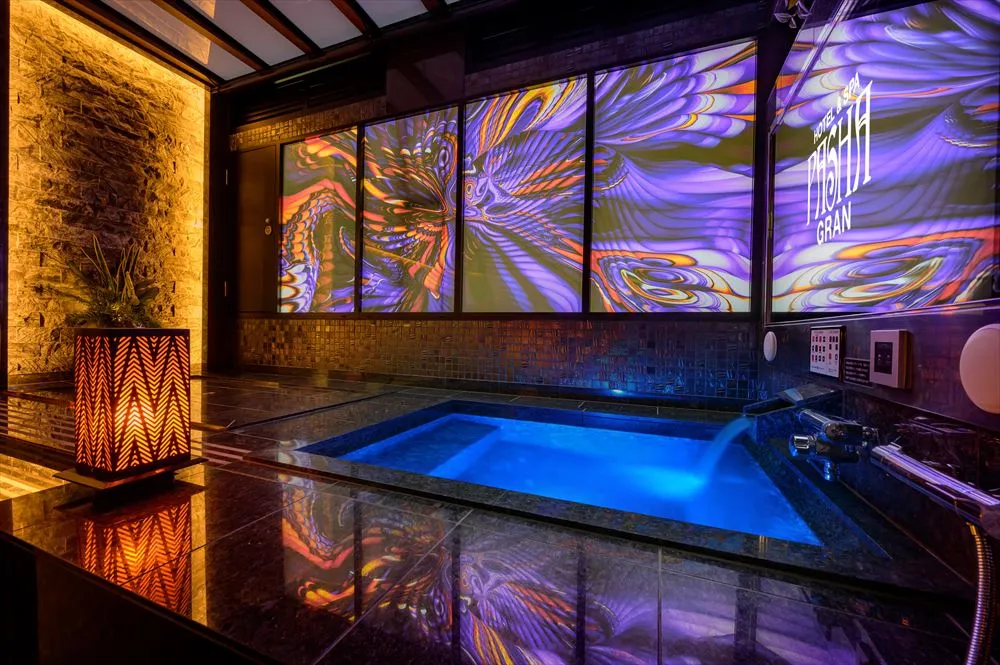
985	619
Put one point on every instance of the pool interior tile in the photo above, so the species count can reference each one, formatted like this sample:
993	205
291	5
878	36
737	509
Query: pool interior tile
322	425
380	476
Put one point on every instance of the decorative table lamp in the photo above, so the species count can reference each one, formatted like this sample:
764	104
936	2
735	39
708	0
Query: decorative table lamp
132	406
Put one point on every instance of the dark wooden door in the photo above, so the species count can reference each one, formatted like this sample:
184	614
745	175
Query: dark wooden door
257	230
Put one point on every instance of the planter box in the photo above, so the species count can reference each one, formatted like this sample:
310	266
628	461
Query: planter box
133	400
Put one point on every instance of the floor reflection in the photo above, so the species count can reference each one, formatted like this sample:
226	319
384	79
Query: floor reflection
148	552
342	555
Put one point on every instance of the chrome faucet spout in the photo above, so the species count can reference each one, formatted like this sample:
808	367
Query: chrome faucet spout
830	441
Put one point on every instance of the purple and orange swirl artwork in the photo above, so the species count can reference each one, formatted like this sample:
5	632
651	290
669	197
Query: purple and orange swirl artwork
317	224
886	164
673	184
411	168
524	200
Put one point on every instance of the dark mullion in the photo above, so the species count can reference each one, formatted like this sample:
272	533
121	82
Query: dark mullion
588	193
460	211
359	218
357	517
436	7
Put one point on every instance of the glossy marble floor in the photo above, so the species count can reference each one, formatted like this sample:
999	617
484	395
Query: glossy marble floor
303	570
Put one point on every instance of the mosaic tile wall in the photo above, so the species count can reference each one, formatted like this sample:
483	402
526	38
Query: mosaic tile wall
938	339
268	133
679	358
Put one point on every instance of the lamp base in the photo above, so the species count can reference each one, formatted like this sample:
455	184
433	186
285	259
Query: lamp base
74	476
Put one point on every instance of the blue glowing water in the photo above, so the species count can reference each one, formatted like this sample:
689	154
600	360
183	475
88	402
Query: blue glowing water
712	483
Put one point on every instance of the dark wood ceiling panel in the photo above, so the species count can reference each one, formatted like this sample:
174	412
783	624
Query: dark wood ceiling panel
203	26
274	18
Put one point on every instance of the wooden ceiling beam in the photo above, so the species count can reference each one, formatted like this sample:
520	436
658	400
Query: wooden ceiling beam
198	22
117	25
356	14
436	7
281	23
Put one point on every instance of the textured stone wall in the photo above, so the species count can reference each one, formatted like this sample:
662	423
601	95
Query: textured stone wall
675	358
105	140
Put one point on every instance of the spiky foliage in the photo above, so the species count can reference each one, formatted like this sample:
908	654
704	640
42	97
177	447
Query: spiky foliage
110	298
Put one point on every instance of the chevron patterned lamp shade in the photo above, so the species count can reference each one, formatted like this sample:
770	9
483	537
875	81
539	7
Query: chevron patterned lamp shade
133	400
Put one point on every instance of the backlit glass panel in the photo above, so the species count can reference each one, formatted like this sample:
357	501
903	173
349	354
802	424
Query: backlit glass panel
673	184
524	200
411	170
886	164
319	184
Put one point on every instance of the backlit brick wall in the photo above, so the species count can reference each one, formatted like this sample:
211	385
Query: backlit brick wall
102	139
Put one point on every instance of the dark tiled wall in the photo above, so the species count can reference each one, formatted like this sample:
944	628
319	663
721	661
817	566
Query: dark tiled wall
269	133
938	338
934	421
672	37
682	358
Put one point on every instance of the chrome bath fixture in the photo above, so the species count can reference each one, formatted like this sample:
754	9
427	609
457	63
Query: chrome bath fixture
830	441
980	510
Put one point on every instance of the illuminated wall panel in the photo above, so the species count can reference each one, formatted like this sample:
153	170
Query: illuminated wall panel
673	184
105	140
524	200
411	167
885	166
318	191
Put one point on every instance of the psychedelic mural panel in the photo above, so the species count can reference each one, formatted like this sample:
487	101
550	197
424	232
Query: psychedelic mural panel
886	164
319	183
673	184
524	200
411	169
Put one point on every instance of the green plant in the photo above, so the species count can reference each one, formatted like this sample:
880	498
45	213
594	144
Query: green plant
110	298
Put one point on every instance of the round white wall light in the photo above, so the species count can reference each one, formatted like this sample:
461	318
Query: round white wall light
770	346
979	368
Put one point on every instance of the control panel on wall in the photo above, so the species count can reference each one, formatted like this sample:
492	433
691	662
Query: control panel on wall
889	354
825	351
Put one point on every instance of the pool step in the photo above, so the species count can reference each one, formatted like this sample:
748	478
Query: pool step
428	447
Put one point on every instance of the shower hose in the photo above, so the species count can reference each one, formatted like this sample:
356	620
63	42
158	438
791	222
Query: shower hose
985	619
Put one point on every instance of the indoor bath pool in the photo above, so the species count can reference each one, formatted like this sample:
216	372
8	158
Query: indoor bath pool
688	472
